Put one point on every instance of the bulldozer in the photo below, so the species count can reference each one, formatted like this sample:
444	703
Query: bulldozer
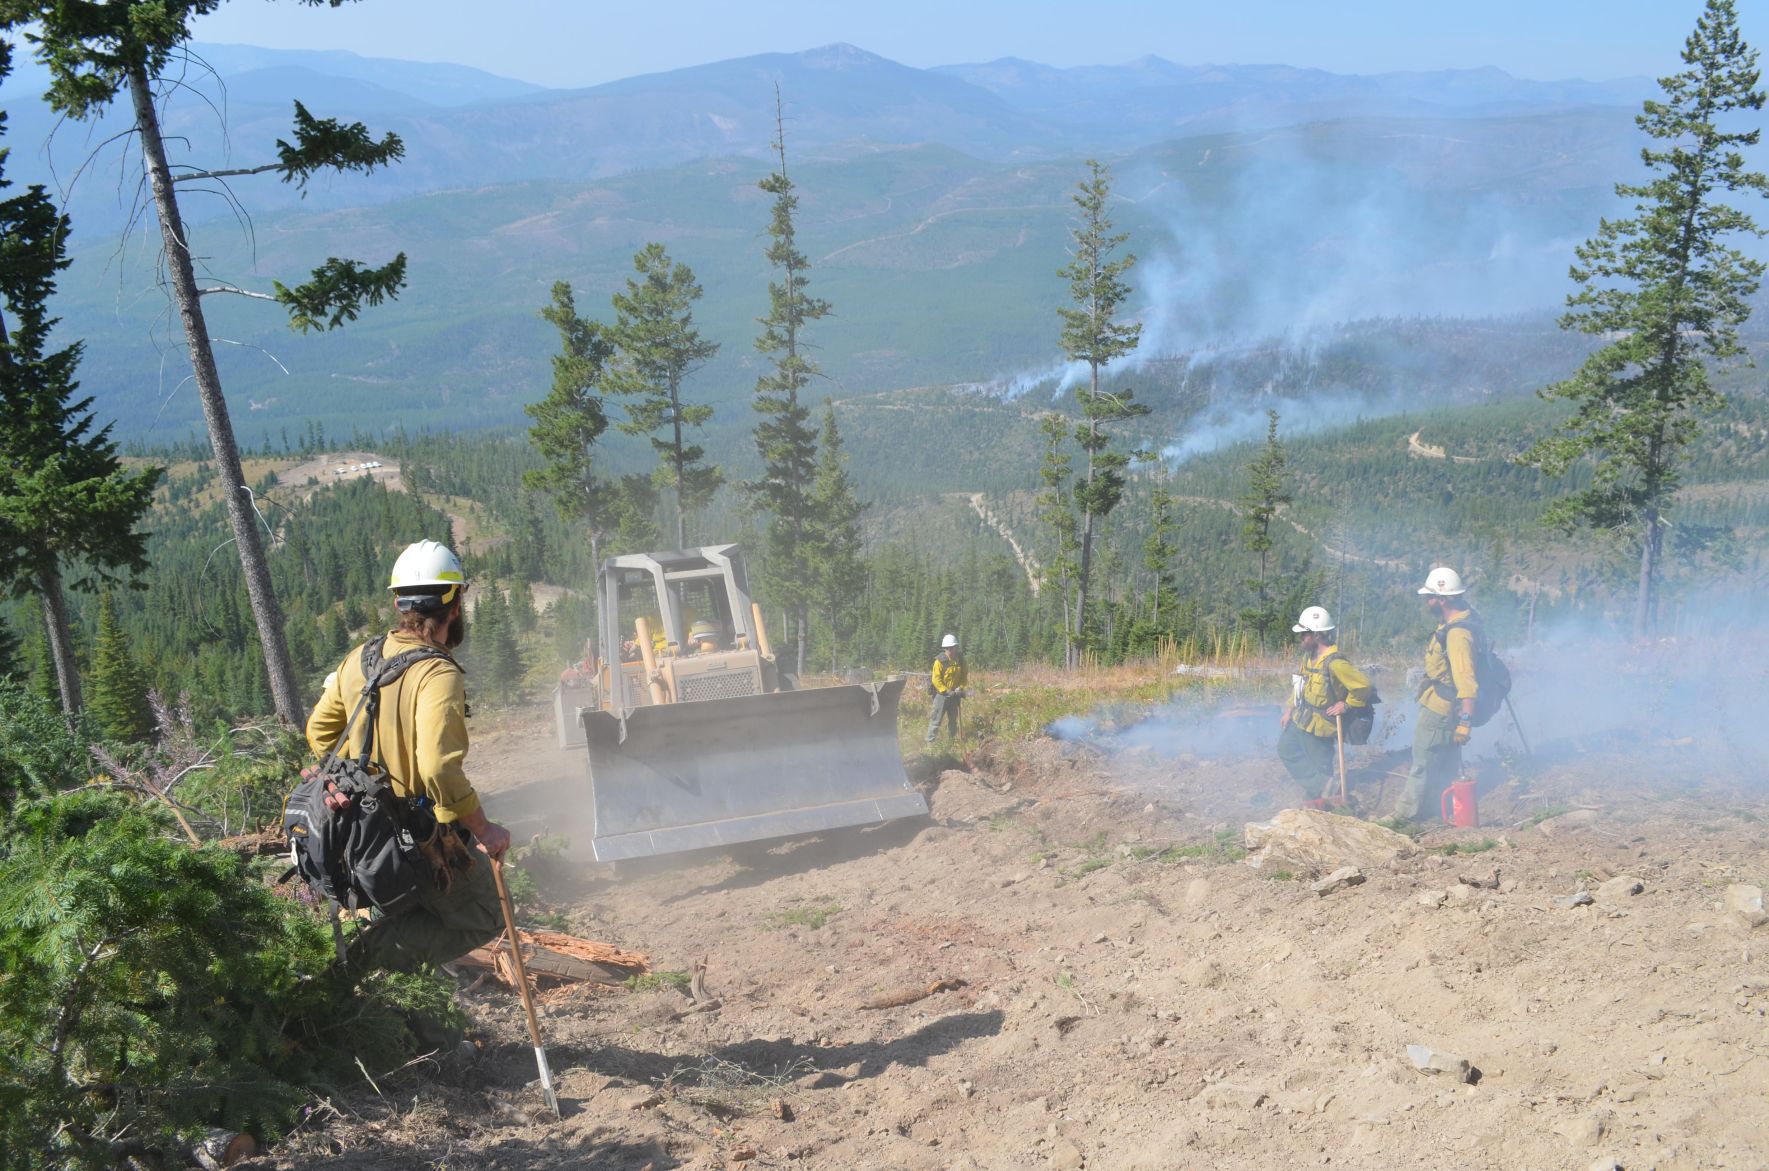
698	738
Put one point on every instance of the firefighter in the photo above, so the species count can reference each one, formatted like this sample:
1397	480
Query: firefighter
947	684
1446	700
420	743
706	637
1330	688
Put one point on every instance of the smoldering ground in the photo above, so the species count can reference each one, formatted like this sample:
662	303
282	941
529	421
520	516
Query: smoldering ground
1689	705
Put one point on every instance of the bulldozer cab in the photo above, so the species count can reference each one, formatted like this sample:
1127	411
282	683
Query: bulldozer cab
671	595
694	743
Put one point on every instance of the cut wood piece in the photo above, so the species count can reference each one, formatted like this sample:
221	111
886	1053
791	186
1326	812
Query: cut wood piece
259	843
554	958
911	995
223	1148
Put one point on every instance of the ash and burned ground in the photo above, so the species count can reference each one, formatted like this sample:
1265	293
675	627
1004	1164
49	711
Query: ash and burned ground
1122	1011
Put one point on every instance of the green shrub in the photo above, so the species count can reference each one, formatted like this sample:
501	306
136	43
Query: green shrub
152	990
39	755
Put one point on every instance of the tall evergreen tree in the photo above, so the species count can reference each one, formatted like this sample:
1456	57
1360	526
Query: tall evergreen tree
1057	513
496	656
656	347
833	555
12	653
1092	334
569	421
1669	294
66	501
783	437
119	686
1267	492
98	52
1158	553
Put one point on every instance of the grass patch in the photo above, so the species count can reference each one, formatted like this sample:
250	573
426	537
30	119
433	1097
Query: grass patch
813	917
1584	875
1479	847
1282	876
652	981
1403	825
1087	867
1224	847
1541	815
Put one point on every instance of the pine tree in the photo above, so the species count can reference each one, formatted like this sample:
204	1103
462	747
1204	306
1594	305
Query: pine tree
783	437
1090	334
496	655
119	687
12	660
95	54
65	498
1669	295
1057	514
1267	492
569	421
832	544
656	347
1158	553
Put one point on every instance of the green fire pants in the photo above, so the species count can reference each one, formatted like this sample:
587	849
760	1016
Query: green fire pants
1308	757
441	927
1437	761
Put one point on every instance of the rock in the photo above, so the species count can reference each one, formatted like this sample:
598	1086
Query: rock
1577	819
1425	1059
1228	1094
1587	1130
1508	886
641	1099
1308	839
1433	898
1620	888
1605	1164
1197	893
1338	880
1066	1155
1568	902
1462	894
1746	902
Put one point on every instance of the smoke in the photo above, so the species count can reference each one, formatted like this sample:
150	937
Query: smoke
1588	710
1225	424
1289	236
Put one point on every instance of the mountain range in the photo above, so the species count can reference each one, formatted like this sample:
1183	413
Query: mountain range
1263	200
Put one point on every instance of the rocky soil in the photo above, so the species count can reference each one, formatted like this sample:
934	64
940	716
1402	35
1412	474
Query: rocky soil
1124	991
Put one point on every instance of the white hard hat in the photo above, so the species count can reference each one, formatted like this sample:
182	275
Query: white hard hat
427	567
1314	620
1443	582
949	640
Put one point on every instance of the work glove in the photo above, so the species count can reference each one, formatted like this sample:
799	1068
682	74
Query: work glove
1463	731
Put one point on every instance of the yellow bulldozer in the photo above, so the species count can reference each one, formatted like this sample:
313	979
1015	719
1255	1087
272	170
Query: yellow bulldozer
697	737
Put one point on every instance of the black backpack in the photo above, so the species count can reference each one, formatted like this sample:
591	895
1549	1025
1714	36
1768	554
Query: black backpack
1357	723
351	838
1490	672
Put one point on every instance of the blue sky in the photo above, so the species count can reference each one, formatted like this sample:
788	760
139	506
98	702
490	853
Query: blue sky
582	42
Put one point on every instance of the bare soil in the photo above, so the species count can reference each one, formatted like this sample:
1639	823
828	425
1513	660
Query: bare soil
1127	1009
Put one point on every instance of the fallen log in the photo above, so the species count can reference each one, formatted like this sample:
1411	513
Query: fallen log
554	959
911	995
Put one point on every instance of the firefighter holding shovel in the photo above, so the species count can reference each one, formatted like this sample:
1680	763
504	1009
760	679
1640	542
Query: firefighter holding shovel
1331	694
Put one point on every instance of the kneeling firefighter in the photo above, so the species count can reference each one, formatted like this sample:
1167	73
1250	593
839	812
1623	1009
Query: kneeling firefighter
1333	693
416	741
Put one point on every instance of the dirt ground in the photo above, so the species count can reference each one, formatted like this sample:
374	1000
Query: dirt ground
1127	1009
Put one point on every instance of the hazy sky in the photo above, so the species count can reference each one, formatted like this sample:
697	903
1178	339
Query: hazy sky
582	42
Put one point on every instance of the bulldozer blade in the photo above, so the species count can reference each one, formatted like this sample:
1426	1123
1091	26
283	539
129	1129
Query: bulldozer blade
689	776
